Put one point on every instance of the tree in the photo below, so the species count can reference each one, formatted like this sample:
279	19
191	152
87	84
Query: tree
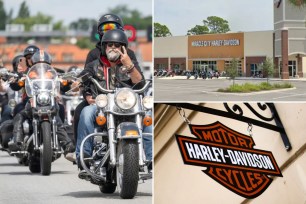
298	3
232	70
84	24
213	24
24	11
216	24
38	19
268	68
2	16
84	43
198	30
9	17
161	30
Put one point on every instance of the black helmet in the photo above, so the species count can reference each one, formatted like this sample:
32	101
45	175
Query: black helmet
113	36
109	18
30	50
41	56
16	61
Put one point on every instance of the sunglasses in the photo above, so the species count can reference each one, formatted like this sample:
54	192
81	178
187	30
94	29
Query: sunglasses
111	44
109	26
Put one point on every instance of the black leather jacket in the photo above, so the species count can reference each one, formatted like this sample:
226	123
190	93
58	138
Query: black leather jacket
115	79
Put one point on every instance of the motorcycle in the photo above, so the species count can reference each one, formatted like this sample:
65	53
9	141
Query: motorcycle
70	100
41	147
118	157
6	127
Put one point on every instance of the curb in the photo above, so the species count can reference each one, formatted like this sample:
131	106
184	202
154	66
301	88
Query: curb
248	94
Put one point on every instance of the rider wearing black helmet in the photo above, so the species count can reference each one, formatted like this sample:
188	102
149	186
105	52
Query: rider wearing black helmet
28	53
16	61
114	68
106	23
41	56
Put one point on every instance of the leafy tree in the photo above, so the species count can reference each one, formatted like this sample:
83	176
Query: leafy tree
198	30
38	19
9	17
84	24
58	25
268	68
298	3
2	16
24	11
232	70
85	43
213	24
161	30
132	17
216	24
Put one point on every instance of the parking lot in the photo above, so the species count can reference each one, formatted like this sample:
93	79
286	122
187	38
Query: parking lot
181	89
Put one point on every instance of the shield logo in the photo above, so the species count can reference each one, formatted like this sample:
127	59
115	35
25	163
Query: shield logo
230	158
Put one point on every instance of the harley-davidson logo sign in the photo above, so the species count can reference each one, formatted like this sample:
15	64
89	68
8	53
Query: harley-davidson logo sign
230	158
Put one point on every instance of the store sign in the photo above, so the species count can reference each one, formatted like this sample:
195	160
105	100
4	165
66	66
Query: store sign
215	43
230	158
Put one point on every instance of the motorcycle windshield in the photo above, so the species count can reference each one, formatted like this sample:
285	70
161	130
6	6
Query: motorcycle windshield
41	78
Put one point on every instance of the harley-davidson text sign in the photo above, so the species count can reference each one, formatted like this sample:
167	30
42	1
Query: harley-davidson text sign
230	158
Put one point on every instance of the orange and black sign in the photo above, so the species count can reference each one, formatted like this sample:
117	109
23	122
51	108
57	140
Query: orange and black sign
230	158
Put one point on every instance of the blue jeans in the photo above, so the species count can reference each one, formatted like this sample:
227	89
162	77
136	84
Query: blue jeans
6	114
86	126
147	142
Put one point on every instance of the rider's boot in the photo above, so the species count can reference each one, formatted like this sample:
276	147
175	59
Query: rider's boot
17	133
67	143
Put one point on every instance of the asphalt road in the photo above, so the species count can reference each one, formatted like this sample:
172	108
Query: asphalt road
182	90
19	185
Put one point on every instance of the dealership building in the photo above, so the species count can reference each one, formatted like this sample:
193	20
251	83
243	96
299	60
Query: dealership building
286	45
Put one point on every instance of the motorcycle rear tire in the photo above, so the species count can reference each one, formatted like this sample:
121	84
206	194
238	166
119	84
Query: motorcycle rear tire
127	178
108	188
46	149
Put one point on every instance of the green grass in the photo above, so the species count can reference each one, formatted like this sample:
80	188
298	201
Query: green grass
248	87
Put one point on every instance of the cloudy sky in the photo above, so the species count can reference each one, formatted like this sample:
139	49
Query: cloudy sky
71	10
243	15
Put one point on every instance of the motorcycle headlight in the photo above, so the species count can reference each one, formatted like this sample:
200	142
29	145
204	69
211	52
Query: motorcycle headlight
43	99
147	102
125	99
101	100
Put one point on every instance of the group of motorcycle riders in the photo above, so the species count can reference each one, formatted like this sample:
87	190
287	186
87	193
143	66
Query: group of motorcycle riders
111	51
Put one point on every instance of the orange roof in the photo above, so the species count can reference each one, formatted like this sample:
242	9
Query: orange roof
58	51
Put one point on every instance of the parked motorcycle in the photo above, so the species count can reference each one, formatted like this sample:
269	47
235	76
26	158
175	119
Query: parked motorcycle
118	156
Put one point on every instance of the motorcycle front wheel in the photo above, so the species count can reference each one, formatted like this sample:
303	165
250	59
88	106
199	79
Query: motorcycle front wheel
45	148
127	168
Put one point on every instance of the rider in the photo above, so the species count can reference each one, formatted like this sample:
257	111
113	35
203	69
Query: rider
106	22
108	71
39	57
27	53
5	87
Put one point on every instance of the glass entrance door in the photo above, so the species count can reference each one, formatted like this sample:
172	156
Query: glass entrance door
292	68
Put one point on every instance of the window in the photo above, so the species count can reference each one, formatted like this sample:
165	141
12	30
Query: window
204	65
239	66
